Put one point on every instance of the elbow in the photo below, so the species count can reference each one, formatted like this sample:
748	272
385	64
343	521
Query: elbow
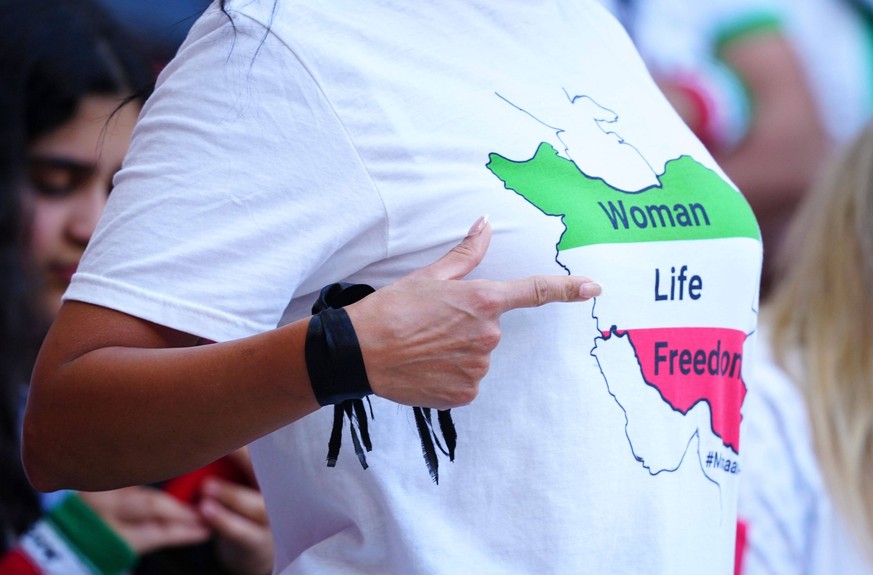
37	459
46	451
49	432
41	481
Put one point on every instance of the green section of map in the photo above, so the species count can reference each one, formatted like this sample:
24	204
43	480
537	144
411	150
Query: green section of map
692	202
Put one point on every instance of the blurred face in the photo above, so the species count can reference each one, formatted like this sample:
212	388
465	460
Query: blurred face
70	175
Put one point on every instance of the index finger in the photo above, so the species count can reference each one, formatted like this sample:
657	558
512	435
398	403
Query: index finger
535	291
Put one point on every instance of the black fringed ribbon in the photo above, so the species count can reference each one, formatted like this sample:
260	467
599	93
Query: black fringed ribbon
335	296
429	439
339	295
333	358
354	410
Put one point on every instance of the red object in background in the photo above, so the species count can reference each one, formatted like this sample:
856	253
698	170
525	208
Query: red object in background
15	562
741	547
186	488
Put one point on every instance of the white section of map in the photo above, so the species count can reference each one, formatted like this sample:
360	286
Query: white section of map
628	299
589	138
587	134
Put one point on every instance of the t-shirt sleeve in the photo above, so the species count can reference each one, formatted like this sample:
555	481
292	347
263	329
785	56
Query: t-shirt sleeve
241	189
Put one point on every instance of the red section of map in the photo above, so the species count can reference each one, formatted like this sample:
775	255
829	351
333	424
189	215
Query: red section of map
690	365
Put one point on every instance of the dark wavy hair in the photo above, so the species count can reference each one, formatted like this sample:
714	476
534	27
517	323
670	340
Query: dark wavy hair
18	503
53	53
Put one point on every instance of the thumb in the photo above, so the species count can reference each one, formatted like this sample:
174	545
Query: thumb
461	259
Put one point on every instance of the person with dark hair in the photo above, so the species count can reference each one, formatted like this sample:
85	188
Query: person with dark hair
315	166
20	504
71	87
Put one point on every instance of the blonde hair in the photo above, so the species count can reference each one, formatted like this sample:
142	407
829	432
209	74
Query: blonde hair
822	313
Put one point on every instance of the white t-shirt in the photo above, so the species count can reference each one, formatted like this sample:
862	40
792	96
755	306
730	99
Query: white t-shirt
359	143
792	525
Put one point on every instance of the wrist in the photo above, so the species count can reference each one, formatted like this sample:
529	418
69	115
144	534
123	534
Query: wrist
333	358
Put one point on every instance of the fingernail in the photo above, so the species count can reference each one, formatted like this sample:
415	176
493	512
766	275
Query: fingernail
477	227
590	289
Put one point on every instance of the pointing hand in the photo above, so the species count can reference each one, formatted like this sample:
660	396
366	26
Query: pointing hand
427	338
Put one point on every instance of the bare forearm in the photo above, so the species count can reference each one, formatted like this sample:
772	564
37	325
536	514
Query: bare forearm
156	413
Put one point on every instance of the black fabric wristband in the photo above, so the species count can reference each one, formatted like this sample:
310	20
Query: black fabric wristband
333	358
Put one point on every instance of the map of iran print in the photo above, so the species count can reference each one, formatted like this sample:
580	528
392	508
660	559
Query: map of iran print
678	252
